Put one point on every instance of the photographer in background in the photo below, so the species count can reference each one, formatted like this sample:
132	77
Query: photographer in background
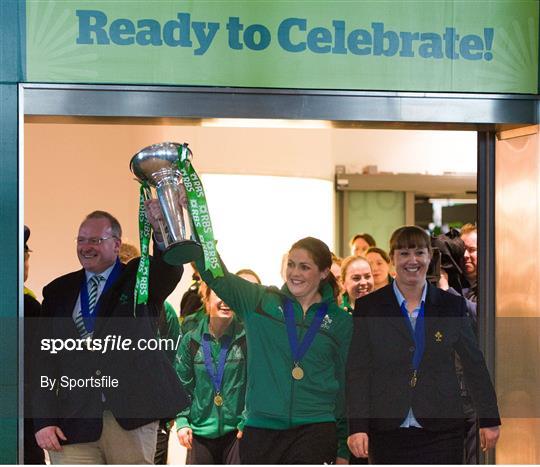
448	269
454	269
470	240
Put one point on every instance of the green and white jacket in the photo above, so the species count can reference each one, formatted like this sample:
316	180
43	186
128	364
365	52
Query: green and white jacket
203	416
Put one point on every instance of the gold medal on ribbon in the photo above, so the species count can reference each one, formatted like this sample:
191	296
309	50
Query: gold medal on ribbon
297	372
414	379
218	400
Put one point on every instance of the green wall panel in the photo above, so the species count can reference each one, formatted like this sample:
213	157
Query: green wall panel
8	273
378	213
11	73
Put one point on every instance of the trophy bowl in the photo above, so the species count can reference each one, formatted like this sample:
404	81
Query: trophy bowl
157	165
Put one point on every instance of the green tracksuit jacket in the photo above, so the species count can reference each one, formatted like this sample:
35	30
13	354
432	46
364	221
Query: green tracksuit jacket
274	399
203	416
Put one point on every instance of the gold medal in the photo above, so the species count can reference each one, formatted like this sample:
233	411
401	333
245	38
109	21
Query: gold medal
297	373
218	400
414	379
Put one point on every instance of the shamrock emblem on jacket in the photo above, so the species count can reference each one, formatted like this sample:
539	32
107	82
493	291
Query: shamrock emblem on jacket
123	299
327	321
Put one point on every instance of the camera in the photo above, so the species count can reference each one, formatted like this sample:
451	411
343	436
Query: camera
448	250
434	268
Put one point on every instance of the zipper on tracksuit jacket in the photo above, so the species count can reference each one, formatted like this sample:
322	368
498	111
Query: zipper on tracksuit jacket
220	421
293	381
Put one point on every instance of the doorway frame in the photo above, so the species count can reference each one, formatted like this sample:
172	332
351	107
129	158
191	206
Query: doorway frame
484	113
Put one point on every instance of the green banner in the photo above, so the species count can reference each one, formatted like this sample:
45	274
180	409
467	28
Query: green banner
413	45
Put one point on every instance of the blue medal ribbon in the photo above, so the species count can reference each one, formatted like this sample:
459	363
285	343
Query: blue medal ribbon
215	374
89	319
298	350
419	336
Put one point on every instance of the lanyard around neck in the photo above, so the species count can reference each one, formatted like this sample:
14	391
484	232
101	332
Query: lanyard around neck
215	374
298	350
418	334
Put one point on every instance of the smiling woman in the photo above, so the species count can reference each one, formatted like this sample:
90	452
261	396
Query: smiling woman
357	280
380	266
211	364
302	419
307	268
410	251
405	405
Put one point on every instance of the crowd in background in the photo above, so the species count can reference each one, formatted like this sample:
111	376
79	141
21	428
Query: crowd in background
311	372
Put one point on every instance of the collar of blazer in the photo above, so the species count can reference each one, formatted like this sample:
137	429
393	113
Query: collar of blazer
390	309
67	293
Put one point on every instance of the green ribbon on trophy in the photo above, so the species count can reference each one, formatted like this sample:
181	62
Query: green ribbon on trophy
145	231
198	210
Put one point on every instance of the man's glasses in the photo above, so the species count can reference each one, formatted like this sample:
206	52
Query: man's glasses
93	240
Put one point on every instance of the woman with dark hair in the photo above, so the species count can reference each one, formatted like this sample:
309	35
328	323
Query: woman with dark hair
404	401
360	243
297	339
380	266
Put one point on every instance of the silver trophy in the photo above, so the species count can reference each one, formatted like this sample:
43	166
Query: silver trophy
158	166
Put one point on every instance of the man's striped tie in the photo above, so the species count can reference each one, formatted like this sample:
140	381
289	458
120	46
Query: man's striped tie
92	300
93	292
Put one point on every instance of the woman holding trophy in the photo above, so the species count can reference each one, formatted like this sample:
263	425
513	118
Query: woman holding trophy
297	336
298	340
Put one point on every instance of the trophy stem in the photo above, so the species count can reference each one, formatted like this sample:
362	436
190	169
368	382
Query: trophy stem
163	230
169	200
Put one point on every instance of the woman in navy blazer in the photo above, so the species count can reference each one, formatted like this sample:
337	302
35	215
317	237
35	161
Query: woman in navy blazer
403	395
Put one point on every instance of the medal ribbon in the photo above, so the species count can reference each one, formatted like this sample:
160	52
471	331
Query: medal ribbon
140	294
299	350
198	210
89	319
418	334
216	375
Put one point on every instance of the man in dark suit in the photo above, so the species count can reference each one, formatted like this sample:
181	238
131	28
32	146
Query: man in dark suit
96	402
403	395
